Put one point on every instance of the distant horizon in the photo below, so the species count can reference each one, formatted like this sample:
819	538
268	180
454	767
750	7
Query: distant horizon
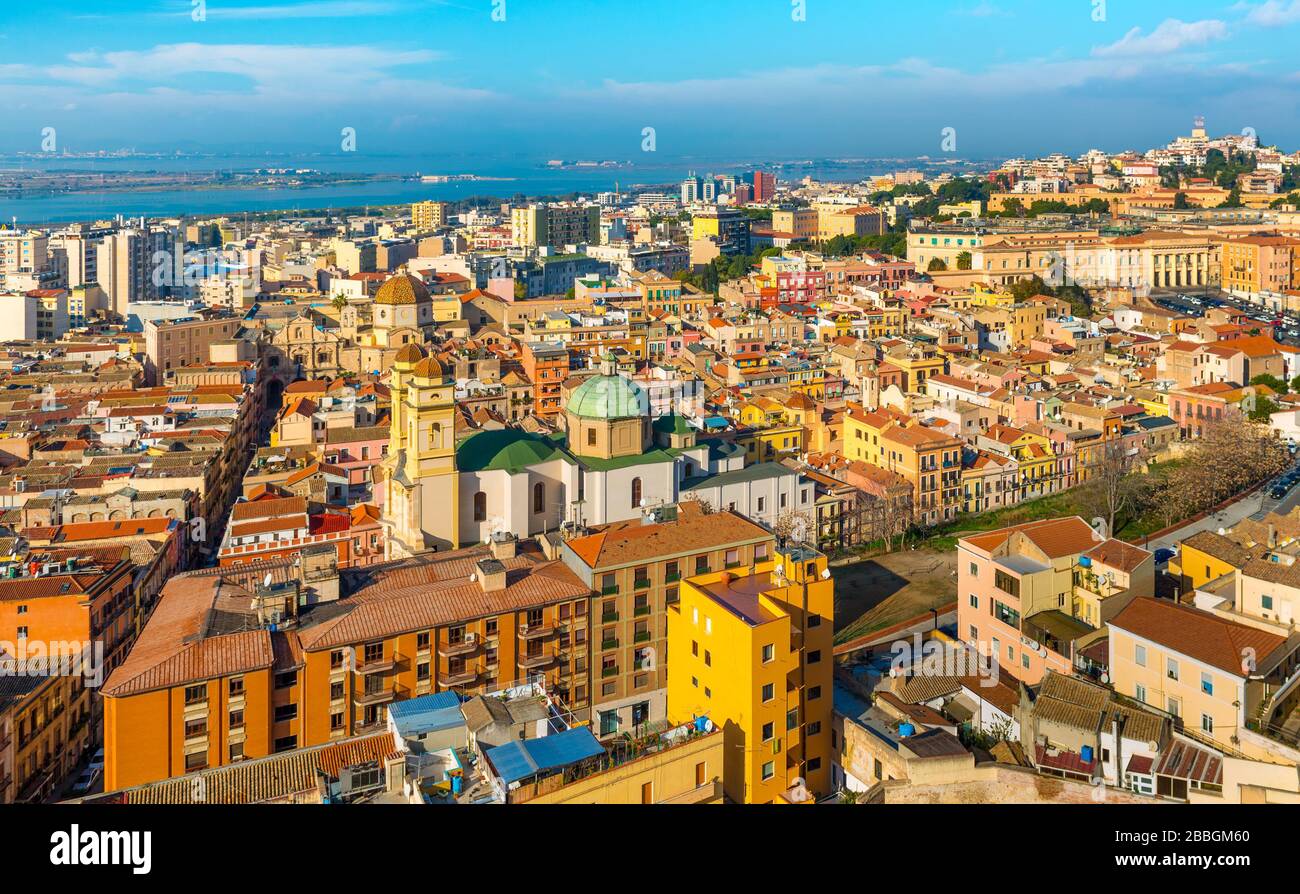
584	79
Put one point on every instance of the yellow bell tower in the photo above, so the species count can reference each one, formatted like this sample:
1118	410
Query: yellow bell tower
421	499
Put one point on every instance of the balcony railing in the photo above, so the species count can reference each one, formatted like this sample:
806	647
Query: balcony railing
464	647
642	636
611	643
611	590
642	610
535	661
609	617
461	678
607	672
375	697
378	666
536	631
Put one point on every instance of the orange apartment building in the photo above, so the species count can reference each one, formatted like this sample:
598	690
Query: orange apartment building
75	605
547	366
252	660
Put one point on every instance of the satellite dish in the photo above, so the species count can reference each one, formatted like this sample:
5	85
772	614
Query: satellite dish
826	574
266	581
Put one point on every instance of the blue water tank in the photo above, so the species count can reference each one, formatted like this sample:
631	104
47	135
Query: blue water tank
905	730
701	724
1085	561
1086	753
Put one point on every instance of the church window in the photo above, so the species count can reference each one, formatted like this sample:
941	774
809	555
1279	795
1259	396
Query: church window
636	491
480	506
539	497
591	437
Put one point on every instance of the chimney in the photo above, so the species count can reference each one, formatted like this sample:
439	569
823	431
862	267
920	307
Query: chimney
491	575
1117	731
1272	536
504	545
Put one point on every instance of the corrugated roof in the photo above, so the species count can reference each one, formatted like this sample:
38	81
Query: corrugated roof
515	761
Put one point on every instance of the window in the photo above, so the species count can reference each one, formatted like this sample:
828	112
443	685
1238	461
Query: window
1207	724
236	687
700	773
769	692
236	719
196	761
1140	693
974	601
769	653
769	770
1140	655
636	491
480	506
1171	668
196	728
814	728
539	498
1175	707
195	695
286	679
708	658
236	751
814	693
285	712
814	764
1207	684
769	731
591	437
1266	602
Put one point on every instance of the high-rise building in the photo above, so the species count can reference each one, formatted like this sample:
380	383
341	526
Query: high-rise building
536	226
764	186
429	215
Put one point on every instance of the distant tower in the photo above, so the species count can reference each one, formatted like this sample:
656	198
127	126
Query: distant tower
1198	128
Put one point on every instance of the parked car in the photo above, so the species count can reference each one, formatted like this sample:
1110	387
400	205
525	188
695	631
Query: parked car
86	781
1164	554
1278	492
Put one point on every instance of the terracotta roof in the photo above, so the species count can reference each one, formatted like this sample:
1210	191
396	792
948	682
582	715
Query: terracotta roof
635	542
1118	554
1197	634
1056	537
272	778
268	508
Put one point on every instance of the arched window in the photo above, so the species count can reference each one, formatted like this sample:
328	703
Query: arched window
539	497
480	506
636	491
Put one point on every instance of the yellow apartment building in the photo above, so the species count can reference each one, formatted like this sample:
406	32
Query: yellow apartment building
750	649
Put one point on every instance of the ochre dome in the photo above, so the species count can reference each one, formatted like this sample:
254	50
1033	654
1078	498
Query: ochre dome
402	289
410	354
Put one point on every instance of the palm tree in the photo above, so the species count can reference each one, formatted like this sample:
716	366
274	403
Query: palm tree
339	301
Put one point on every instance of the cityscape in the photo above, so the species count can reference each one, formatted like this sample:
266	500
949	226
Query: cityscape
667	472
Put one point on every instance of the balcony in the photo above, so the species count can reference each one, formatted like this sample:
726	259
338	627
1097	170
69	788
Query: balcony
463	677
531	662
641	611
609	617
464	647
611	643
607	672
611	590
378	666
641	584
536	631
375	697
672	577
642	636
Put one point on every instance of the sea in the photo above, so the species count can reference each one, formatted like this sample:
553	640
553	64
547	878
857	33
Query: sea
509	178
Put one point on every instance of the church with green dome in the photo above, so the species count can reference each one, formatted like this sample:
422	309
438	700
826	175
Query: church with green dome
609	463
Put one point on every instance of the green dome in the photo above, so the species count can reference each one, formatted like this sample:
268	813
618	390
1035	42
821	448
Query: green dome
508	449
608	397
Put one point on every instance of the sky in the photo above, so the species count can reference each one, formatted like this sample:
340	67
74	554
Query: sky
584	79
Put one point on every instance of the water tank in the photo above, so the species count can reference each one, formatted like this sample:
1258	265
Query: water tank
905	730
1085	561
1086	753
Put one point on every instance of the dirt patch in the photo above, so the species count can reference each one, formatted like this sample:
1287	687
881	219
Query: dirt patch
884	590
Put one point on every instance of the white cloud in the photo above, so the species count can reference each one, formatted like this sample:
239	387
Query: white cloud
1271	13
313	9
1170	36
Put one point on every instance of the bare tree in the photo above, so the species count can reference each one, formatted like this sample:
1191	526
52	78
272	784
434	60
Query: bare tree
1116	484
1233	455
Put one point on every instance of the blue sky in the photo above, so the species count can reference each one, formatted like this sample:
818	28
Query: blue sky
582	78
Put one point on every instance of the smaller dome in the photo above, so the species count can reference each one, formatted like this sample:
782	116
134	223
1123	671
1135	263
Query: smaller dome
429	368
402	289
409	355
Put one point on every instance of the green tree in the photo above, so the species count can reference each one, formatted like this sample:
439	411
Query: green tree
936	265
963	260
1271	381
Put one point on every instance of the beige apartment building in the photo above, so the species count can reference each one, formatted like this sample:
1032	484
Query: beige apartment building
429	215
171	344
635	571
554	225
